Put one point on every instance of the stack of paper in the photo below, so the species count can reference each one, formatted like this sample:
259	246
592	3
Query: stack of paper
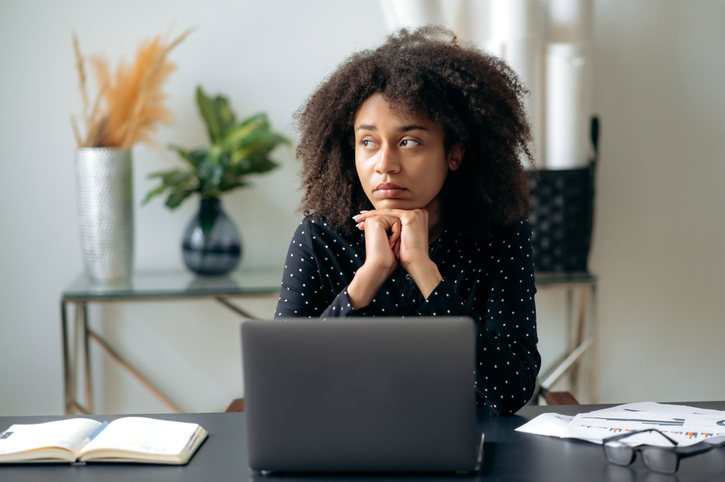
686	425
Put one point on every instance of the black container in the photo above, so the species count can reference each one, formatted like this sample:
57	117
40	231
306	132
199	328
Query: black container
212	244
561	218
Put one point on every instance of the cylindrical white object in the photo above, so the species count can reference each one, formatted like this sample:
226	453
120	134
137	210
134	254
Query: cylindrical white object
411	13
516	37
515	19
391	21
568	106
525	57
105	212
570	20
494	47
452	15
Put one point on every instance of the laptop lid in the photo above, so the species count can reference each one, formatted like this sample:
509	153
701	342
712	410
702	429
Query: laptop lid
360	395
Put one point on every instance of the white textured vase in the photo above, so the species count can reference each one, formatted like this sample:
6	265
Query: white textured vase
104	180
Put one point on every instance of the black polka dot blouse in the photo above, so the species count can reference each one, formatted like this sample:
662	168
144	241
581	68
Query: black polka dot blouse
490	280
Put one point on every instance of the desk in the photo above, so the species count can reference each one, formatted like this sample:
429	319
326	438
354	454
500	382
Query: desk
144	286
581	326
508	455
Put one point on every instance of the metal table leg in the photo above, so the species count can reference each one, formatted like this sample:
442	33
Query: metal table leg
67	383
87	360
80	339
593	361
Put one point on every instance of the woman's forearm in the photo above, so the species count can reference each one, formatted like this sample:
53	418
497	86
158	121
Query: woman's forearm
426	275
365	285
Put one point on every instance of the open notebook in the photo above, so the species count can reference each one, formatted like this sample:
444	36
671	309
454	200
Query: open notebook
129	439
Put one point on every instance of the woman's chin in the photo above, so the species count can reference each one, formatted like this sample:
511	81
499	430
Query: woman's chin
394	204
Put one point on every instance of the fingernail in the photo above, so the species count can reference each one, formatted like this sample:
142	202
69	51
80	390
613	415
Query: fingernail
356	216
358	225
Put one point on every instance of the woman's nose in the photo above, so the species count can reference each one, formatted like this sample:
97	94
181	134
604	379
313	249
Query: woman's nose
387	160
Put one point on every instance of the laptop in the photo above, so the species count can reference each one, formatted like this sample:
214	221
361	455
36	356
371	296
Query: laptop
361	395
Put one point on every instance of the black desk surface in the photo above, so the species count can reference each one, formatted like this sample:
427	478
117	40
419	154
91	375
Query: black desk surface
508	456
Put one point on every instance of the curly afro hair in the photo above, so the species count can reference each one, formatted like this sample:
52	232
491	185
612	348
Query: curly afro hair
475	97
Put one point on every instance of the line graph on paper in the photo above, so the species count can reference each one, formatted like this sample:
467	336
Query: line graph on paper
686	430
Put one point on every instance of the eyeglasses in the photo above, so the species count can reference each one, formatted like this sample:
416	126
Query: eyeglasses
665	460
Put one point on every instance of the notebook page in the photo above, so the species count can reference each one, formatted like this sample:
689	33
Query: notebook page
68	434
143	435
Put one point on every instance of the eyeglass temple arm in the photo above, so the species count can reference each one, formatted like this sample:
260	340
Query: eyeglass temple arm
628	434
698	448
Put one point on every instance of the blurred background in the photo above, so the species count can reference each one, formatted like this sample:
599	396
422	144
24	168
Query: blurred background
658	86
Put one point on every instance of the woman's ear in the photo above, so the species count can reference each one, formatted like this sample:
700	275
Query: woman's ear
455	156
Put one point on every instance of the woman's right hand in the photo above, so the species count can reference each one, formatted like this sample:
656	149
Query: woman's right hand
382	235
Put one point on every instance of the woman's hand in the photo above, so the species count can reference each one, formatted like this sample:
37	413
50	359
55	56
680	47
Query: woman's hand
410	246
382	234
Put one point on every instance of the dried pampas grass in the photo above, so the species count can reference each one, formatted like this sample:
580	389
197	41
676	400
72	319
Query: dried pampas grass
129	104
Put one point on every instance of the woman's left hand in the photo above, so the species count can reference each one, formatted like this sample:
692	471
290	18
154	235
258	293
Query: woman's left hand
411	247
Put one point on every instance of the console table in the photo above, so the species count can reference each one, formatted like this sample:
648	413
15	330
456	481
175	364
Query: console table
143	286
179	285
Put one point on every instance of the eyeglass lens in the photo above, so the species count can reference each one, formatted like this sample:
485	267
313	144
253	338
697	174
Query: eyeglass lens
660	460
619	453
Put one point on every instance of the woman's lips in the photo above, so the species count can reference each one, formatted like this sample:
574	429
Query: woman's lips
388	190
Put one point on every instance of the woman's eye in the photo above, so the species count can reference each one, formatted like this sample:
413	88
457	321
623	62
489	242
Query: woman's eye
367	143
409	143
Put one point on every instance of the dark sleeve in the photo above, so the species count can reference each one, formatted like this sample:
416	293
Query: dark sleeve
303	293
507	361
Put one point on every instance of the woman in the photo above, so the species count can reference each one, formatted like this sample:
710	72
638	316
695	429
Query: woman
415	200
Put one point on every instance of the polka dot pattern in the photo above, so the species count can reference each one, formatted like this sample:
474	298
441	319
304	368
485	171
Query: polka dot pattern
490	280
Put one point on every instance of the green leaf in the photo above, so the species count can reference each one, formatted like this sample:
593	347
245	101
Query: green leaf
210	190
259	119
224	113
209	114
205	169
257	145
188	156
262	164
233	185
176	178
177	197
153	193
224	160
210	173
238	134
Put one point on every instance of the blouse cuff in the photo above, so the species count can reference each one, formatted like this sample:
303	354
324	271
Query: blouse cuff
341	307
444	300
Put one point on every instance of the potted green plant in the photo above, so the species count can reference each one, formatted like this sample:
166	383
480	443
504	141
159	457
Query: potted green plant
211	244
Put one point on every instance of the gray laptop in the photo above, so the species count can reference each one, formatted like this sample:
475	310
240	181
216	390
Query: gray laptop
361	395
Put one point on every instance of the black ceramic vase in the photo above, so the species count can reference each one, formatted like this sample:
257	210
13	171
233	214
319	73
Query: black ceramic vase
212	245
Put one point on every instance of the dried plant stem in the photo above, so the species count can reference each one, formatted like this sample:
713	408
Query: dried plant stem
129	103
92	122
143	93
76	131
80	67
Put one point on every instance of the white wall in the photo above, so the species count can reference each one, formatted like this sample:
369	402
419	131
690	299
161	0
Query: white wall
659	89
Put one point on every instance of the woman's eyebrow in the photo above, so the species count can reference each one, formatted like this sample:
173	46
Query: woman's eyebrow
412	127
